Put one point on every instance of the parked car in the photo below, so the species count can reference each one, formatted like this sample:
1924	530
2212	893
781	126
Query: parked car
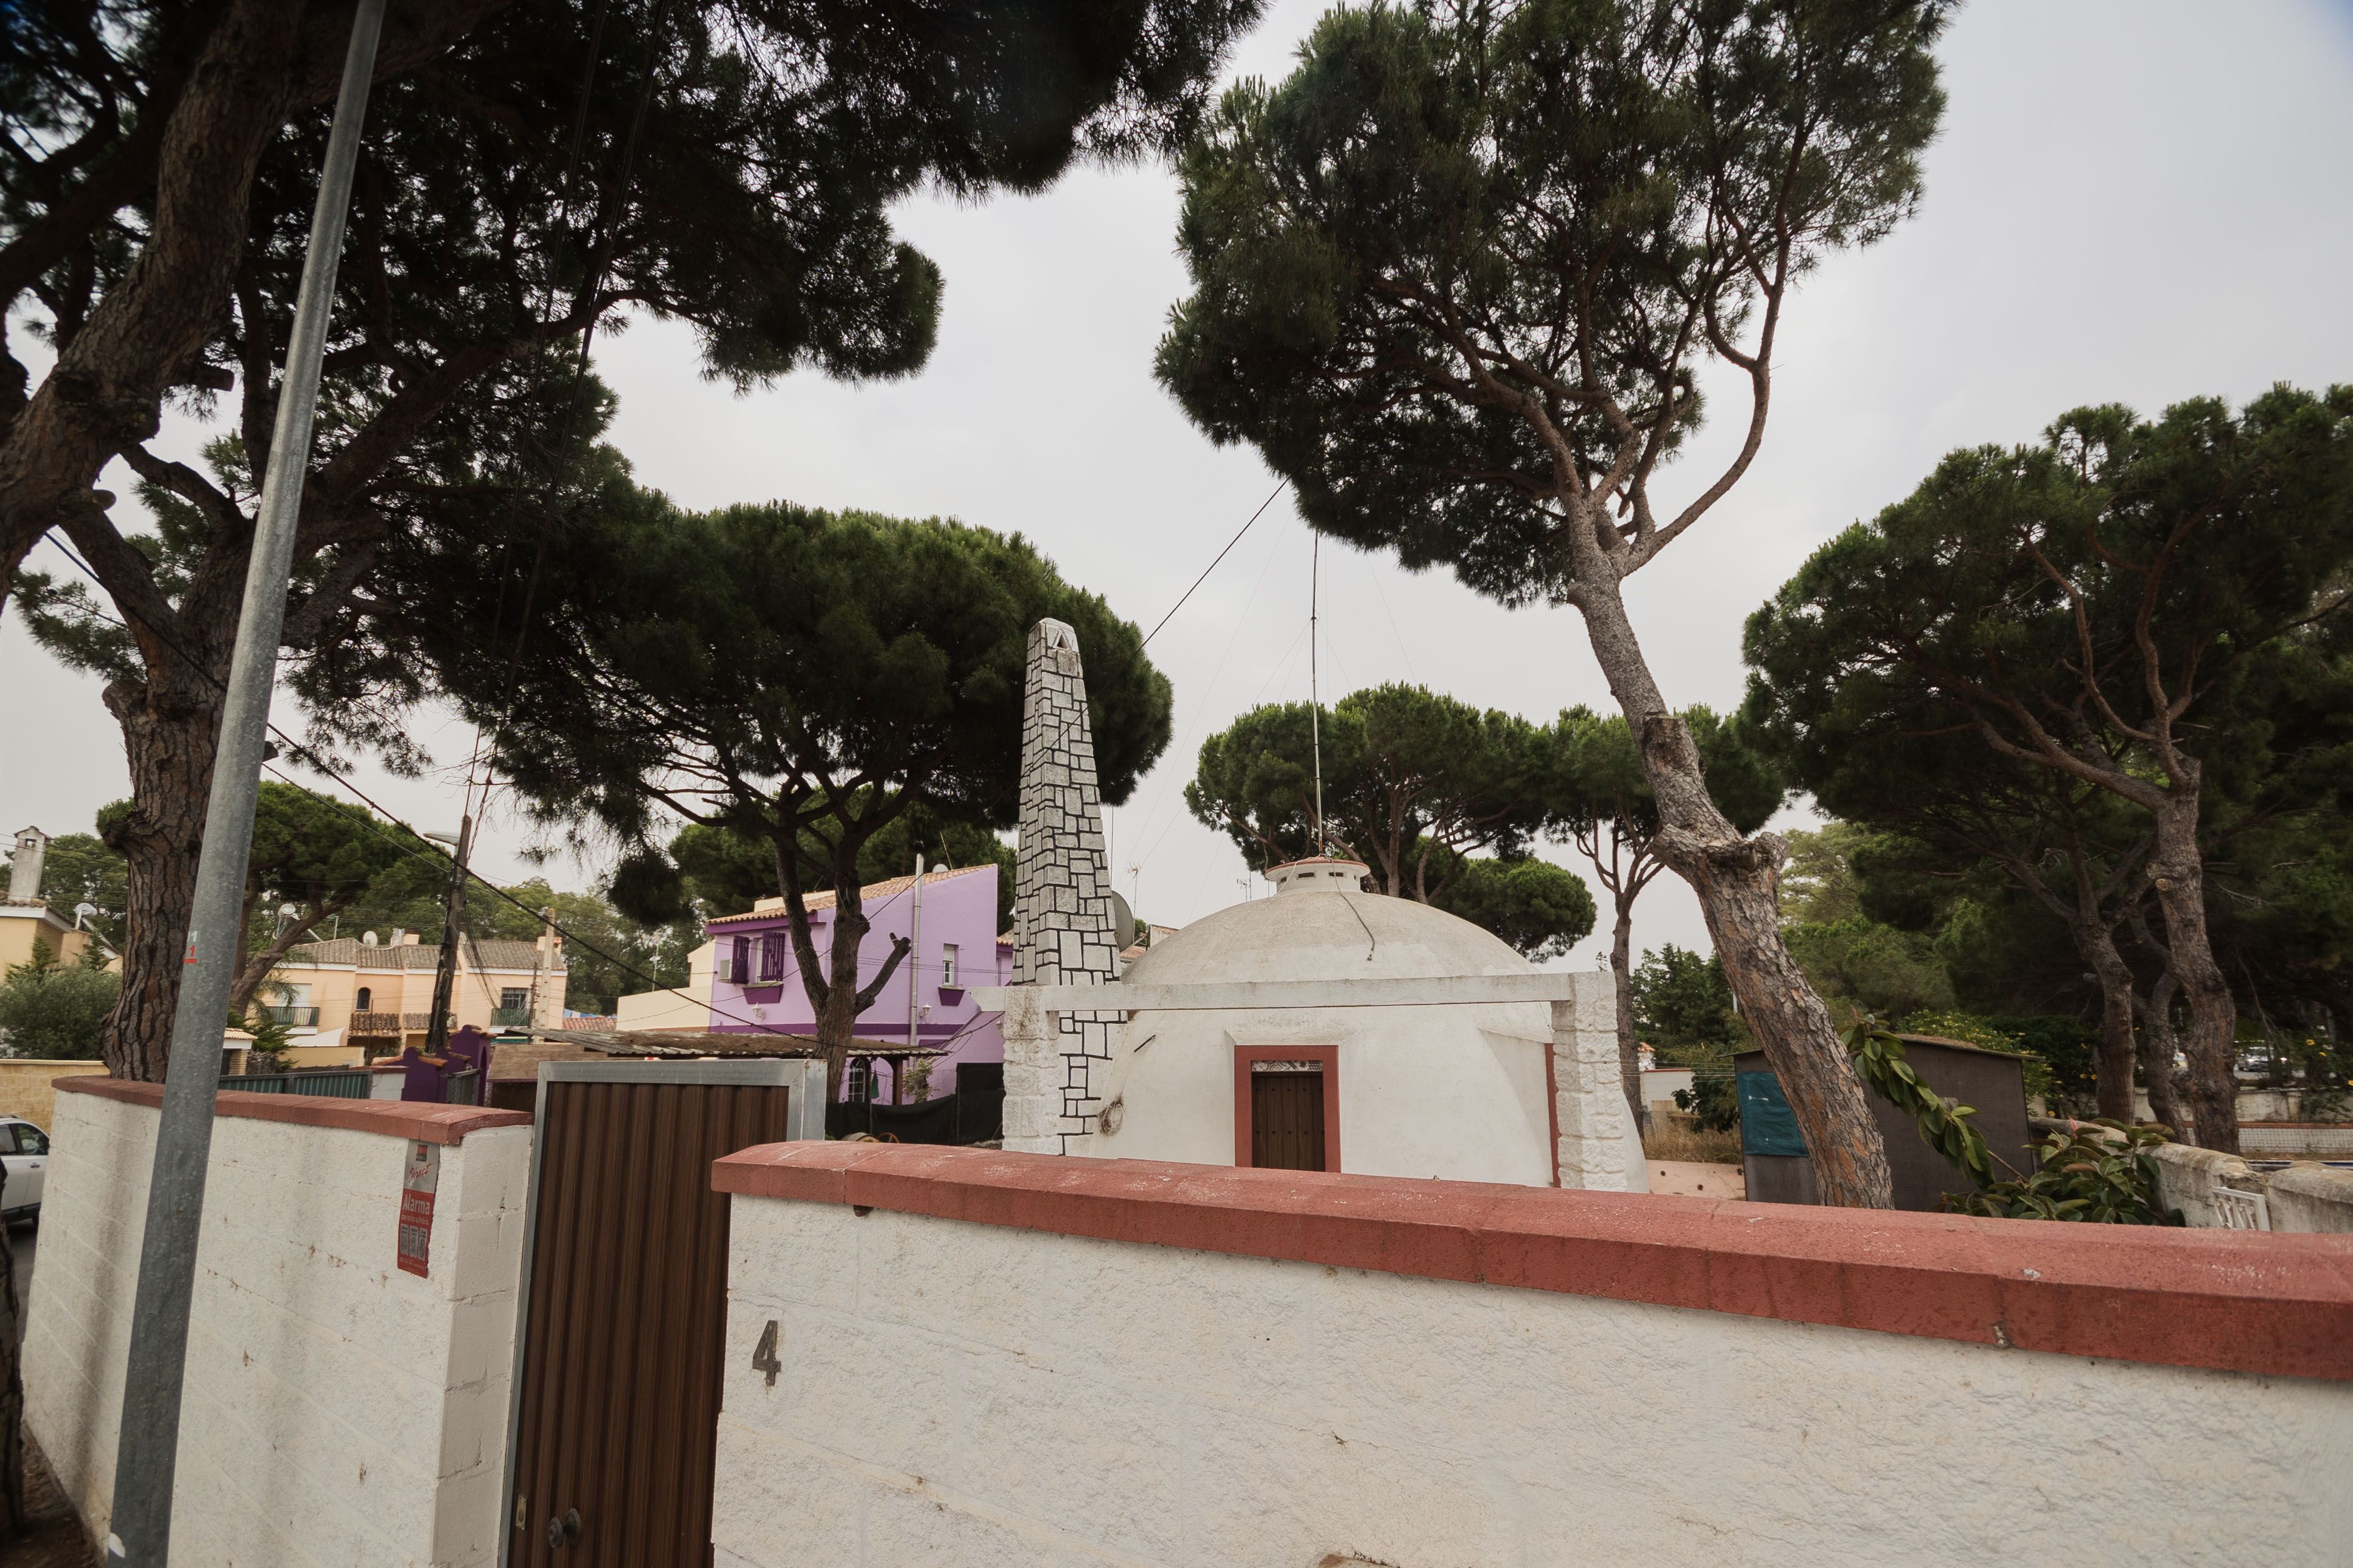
23	1149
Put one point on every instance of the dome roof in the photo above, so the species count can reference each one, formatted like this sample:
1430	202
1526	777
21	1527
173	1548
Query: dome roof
1319	926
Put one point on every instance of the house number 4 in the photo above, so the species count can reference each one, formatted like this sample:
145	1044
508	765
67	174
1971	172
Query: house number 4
763	1355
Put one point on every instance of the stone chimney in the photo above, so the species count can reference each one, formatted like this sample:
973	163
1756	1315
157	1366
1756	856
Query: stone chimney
1063	919
24	866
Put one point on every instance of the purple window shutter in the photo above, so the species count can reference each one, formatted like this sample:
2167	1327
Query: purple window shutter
739	960
771	956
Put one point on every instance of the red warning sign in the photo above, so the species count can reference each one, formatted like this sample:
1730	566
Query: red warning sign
416	1189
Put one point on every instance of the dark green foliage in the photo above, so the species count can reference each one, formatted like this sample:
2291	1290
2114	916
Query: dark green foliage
720	871
2097	1173
1413	782
1682	1007
1416	785
56	1011
2068	1047
1681	999
79	868
800	677
1534	905
1447	242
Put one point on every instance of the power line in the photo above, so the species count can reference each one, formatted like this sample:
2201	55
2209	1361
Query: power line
1212	566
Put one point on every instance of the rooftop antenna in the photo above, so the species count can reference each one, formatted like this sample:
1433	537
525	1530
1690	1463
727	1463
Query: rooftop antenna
1315	686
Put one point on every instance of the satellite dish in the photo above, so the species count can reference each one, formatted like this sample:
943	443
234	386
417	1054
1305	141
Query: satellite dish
1122	921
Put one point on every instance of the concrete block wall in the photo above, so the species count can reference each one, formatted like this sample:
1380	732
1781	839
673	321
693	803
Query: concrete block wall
1598	1145
2304	1197
1145	1363
338	1410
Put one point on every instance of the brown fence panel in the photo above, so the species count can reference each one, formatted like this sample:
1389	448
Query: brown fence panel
619	1400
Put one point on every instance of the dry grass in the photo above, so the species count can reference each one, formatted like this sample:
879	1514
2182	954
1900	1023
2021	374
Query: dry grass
1680	1141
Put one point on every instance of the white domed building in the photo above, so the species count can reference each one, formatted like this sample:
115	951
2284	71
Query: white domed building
1326	1028
1336	1068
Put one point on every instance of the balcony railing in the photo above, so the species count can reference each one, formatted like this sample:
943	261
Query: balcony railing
376	1023
510	1017
420	1022
293	1017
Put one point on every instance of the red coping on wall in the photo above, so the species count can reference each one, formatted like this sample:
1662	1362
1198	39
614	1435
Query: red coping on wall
417	1121
2231	1301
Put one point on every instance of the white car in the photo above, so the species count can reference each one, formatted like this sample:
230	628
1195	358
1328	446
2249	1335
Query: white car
23	1149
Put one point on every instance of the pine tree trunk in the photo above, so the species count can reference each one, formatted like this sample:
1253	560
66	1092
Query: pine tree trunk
2156	1048
171	730
1737	880
2117	1045
1621	964
2210	1042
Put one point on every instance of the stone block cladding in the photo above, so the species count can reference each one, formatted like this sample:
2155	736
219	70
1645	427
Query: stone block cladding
338	1410
1590	1143
1062	916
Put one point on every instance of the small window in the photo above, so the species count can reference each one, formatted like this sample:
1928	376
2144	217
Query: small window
855	1080
31	1140
366	1002
513	997
771	956
948	963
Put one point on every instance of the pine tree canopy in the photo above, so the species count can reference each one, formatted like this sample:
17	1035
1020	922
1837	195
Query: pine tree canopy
1453	276
803	678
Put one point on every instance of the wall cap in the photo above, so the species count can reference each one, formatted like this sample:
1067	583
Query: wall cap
416	1121
2229	1301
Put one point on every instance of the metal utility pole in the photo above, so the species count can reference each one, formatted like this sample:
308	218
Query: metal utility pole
148	1446
1315	686
445	973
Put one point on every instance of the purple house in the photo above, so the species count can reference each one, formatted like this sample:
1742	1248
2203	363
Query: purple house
756	983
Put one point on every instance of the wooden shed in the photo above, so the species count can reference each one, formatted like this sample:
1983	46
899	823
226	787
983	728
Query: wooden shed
1773	1156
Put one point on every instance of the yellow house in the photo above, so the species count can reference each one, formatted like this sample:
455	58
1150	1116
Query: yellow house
351	1000
25	917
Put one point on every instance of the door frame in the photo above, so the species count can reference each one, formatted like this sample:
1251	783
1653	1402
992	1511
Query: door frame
1327	1058
791	1073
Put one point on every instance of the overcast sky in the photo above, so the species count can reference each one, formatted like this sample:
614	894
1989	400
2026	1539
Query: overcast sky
2132	201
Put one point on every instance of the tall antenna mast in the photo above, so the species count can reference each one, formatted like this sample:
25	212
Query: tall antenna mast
1315	686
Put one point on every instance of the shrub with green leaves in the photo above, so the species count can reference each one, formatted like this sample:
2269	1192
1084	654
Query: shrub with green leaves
2099	1172
55	1011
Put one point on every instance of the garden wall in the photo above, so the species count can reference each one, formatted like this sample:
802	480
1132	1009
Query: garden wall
26	1087
2211	1190
995	1358
339	1409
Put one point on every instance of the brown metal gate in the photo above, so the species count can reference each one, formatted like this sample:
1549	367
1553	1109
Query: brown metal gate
625	1317
1287	1120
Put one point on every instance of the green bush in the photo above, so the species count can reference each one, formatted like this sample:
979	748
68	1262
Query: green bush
53	1011
2081	1175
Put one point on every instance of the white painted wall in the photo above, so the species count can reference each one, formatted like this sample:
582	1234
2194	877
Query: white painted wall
1454	1092
338	1410
955	1393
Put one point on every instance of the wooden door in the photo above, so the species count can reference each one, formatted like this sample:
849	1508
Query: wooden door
1287	1120
619	1417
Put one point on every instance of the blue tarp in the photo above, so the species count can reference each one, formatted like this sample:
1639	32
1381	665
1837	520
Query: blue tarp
1767	1126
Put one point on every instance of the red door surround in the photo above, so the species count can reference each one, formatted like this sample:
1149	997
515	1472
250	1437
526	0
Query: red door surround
1327	1058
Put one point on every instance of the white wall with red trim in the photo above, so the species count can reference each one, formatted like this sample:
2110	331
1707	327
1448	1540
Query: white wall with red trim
1145	1363
339	1409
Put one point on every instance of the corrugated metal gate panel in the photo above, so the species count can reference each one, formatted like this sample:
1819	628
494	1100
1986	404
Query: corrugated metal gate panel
1287	1120
627	1318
